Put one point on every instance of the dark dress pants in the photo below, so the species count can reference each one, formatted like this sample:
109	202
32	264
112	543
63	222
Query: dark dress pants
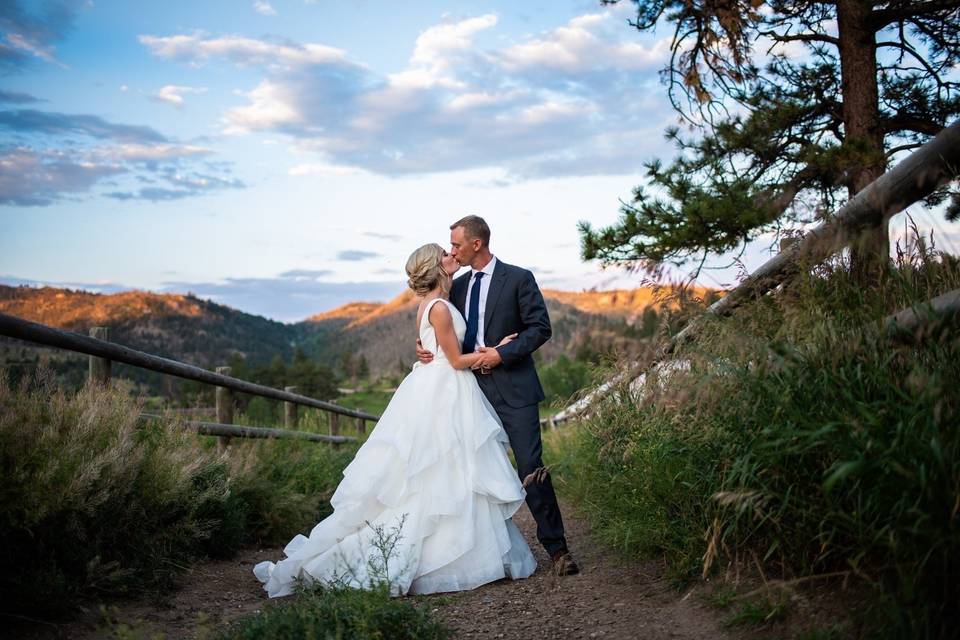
522	425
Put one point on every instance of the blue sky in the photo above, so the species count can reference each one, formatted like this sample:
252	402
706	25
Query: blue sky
286	157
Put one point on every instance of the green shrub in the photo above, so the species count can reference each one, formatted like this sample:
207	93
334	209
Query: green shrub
798	433
562	378
286	484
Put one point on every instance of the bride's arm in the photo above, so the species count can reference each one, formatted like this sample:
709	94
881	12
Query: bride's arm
442	323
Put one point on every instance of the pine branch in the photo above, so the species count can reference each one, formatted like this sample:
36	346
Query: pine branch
905	48
801	37
903	147
883	17
908	122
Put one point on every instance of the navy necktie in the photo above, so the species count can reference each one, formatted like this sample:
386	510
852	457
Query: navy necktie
473	315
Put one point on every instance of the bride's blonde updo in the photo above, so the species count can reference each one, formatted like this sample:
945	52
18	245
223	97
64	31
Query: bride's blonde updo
425	270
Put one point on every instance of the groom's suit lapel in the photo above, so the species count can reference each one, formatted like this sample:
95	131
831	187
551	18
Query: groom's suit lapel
460	293
496	286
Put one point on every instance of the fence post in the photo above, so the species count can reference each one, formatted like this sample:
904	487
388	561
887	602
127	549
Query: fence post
100	368
290	410
334	424
361	423
224	409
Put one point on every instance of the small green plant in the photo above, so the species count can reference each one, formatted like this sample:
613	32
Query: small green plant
383	568
339	612
356	602
758	612
722	596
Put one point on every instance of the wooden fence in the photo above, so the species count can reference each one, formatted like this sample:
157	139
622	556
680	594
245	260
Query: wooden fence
931	166
103	353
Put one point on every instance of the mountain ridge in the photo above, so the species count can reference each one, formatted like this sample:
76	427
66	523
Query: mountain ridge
206	333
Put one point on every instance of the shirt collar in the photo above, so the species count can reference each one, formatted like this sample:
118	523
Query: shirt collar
488	270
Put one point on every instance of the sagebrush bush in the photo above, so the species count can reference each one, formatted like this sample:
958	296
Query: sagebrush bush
95	501
798	433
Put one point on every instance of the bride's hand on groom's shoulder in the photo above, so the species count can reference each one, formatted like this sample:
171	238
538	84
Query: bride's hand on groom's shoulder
424	356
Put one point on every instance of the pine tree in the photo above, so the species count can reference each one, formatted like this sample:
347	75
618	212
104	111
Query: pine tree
788	141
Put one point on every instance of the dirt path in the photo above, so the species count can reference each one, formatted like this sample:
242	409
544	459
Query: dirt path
611	598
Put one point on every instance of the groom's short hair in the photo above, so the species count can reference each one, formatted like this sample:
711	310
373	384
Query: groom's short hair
474	227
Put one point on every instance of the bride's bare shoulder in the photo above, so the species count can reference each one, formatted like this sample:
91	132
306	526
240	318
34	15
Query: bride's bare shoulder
439	313
432	314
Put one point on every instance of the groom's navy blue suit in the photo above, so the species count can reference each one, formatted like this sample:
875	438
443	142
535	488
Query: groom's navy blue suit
515	305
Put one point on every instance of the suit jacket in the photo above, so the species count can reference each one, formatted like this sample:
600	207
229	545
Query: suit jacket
514	305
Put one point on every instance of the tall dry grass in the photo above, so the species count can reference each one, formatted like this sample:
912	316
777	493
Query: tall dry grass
94	501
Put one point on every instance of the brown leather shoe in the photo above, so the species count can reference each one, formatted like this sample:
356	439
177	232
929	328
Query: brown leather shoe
564	564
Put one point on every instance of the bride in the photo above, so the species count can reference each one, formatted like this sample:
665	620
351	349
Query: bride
426	504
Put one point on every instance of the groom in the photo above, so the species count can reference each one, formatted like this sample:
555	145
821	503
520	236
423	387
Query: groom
498	299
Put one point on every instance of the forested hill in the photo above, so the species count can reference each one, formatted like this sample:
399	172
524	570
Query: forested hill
205	333
182	327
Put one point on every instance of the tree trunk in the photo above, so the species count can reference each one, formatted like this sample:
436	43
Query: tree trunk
870	252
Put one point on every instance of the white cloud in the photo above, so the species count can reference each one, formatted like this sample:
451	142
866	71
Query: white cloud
173	94
585	44
438	45
560	103
241	51
482	99
71	154
264	8
271	106
322	169
553	111
149	152
30	177
22	43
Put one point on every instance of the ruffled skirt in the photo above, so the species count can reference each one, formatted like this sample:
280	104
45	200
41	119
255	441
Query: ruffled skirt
425	505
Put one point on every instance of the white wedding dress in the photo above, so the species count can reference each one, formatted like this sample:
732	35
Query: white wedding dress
437	462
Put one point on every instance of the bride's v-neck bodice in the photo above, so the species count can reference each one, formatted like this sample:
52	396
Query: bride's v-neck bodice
428	337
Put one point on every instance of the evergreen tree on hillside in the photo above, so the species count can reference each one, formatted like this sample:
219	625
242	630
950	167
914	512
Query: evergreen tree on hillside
843	87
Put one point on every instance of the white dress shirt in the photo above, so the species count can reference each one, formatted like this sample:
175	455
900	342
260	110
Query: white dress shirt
484	290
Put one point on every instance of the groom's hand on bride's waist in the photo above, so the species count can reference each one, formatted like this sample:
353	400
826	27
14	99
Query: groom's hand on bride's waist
424	356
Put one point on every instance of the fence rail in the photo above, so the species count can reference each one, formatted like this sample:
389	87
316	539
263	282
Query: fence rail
915	321
245	431
102	353
934	164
